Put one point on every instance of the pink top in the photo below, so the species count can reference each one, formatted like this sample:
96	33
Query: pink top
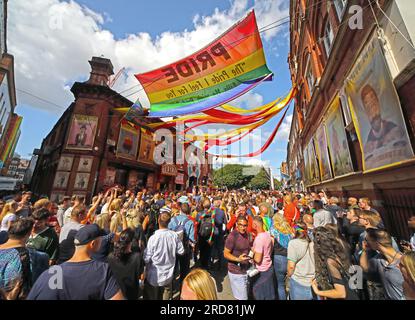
263	244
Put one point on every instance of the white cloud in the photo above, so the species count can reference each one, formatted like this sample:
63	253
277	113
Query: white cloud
53	41
269	11
257	162
248	101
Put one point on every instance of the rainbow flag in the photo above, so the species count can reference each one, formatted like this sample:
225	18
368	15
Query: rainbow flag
228	67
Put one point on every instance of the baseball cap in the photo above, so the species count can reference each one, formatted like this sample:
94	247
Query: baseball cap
165	209
87	234
183	199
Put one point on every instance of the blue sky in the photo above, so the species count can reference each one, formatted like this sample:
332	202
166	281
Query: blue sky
128	24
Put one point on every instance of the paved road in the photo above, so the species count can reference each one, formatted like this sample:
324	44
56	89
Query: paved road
222	283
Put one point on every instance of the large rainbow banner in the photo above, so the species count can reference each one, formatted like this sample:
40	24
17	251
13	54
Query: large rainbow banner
225	69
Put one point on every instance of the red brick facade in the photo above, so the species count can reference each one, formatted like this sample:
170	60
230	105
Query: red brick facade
308	34
95	100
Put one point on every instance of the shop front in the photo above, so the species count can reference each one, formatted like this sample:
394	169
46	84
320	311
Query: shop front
167	177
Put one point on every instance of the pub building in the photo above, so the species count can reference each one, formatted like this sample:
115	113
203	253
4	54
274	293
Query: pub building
92	148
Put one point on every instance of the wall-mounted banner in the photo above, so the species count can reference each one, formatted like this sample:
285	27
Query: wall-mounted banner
307	169
233	63
65	163
314	171
133	177
127	145
337	141
85	164
82	132
109	176
376	111
81	181
322	153
147	146
61	179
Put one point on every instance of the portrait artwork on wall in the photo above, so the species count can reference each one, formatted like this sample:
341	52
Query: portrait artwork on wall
127	145
320	142
65	163
147	146
110	176
81	181
61	180
376	110
337	141
85	164
82	132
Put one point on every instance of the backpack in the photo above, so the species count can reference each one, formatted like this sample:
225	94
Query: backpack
207	225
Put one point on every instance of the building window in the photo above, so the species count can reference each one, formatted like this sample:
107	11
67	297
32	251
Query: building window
340	6
328	37
311	80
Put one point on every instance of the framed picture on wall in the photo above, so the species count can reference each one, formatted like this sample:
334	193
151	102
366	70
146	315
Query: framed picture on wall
127	145
82	132
81	181
61	180
65	163
110	176
85	164
376	111
147	146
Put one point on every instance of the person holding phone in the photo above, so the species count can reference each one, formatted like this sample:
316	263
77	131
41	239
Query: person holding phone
237	247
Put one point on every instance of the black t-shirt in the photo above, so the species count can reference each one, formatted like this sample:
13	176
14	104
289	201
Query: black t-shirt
127	273
87	280
337	275
138	236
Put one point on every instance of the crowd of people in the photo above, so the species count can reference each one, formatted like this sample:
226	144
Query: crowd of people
275	245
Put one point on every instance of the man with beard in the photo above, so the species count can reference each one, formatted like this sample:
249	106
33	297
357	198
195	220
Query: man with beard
382	131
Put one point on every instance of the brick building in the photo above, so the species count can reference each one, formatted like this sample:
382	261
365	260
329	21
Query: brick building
9	121
91	147
352	133
17	167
